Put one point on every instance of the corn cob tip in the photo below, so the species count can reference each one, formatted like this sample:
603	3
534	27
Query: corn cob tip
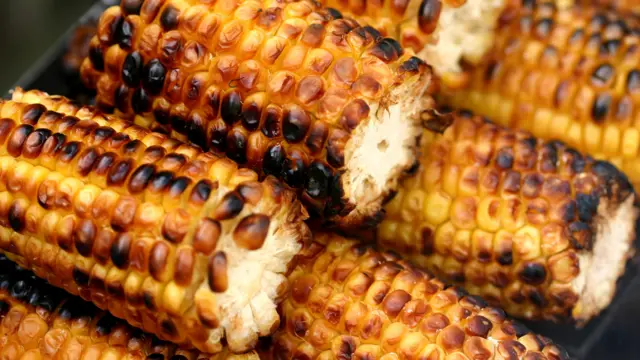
203	244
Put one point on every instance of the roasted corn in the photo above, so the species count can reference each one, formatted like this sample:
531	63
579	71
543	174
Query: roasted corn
533	226
570	75
38	321
279	87
348	301
178	242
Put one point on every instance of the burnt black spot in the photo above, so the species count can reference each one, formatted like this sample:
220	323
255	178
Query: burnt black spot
178	186
543	28
602	74
587	205
237	147
153	76
577	162
32	113
412	65
294	173
120	250
140	101
334	13
375	34
132	69
96	56
609	47
318	180
231	108
141	178
519	328
169	18
124	34
168	327
80	277
69	151
161	181
504	158
505	258
601	107
119	172
569	211
105	325
201	191
387	50
274	160
537	298
533	273
633	81
21	290
178	123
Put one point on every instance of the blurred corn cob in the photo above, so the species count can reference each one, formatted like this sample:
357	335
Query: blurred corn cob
348	301
533	226
570	75
38	321
277	87
178	242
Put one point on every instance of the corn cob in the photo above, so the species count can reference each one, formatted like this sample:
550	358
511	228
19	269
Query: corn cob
533	226
348	301
178	242
570	75
38	321
278	87
78	46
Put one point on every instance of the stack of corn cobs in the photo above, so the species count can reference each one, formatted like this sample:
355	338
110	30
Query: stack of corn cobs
292	179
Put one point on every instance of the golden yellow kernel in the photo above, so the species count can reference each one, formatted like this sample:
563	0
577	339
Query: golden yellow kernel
630	143
437	207
526	243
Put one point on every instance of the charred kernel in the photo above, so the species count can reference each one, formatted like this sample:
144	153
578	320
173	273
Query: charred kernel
479	326
252	231
131	7
69	151
251	117
201	192
122	98
217	269
34	143
179	124
185	262
120	250
274	160
601	107
602	75
237	146
388	49
84	237
17	139
295	124
587	206
132	69
206	235
504	158
294	172
17	216
161	181
178	186
231	108
505	258
124	34
318	180
335	14
104	163
230	206
158	258
633	81
119	172
32	113
317	137
533	273
141	178
153	76
218	136
353	114
169	18
272	122
80	277
428	15
96	56
140	101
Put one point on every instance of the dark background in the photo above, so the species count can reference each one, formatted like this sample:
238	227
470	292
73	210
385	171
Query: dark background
28	28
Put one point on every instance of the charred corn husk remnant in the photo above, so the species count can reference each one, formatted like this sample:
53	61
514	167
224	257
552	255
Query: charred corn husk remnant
570	75
348	301
178	242
533	226
38	321
282	88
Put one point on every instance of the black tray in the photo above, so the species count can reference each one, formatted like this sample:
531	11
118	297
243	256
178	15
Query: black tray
614	335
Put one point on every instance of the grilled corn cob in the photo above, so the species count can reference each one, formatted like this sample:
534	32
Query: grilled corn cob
178	242
278	87
38	321
571	75
348	301
533	226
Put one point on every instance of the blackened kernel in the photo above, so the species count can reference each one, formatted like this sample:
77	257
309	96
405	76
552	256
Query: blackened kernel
237	146
34	143
387	50
85	236
231	107
274	160
69	151
375	34
272	123
86	160
587	206
201	192
602	74
197	134
96	56
153	76
178	186
318	180
102	133
80	277
251	117
504	158
610	47
20	290
295	124
537	298
32	113
155	356
601	107
543	28
317	137
120	250
335	14
218	136
179	124
141	178
119	172
105	325
412	65
478	326
633	81
169	18
532	185
121	97
505	258
124	34
533	273
140	101
428	15
17	139
230	206
577	161
294	172
16	216
104	163
132	69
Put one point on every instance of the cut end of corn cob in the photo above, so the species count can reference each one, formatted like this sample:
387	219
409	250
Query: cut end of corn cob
288	89
533	226
571	75
38	321
185	244
349	301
